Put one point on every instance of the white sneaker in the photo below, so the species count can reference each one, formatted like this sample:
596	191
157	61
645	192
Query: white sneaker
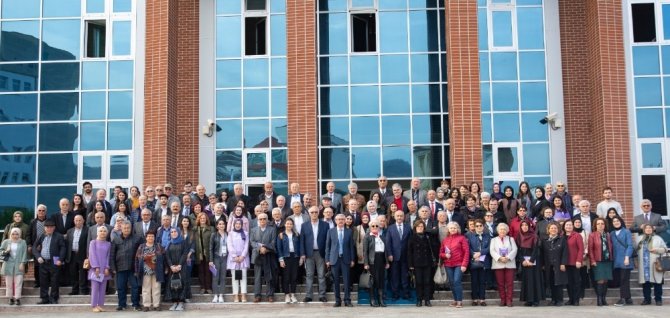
293	299
216	299
288	298
221	300
173	307
180	307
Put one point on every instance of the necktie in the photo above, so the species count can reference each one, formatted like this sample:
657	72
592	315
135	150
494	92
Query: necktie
399	230
647	216
145	228
383	192
432	208
174	221
340	238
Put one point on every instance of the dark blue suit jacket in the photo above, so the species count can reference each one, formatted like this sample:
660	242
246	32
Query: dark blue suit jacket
396	246
307	239
332	248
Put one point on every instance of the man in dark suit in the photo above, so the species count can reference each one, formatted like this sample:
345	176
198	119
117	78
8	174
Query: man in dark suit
238	195
175	215
454	216
340	255
648	217
49	251
146	225
263	256
313	253
397	198
384	191
101	195
63	220
335	198
396	249
434	206
416	193
76	253
35	230
353	210
270	196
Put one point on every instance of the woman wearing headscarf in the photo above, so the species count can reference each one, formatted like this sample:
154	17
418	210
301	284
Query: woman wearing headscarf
99	272
15	266
509	204
527	257
622	247
17	219
649	248
584	276
175	258
238	259
238	214
539	204
611	214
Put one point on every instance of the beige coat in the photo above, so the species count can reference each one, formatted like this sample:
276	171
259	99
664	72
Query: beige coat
655	276
495	246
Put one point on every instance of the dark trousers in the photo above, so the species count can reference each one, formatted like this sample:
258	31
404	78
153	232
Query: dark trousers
478	280
658	291
585	280
556	290
491	282
123	278
424	282
399	278
341	269
36	270
77	274
624	282
49	278
290	279
265	269
574	283
204	275
378	271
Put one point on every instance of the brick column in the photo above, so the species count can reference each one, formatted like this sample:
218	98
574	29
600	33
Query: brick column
303	166
465	128
598	151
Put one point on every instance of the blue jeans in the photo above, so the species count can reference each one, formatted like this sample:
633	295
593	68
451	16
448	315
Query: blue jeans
455	276
122	280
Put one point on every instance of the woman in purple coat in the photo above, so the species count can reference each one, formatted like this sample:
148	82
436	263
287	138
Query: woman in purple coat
98	274
238	259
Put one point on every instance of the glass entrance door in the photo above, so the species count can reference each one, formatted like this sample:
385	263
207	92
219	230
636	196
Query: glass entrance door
105	170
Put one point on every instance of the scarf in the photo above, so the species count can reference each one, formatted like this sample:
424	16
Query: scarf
577	229
177	240
241	230
526	239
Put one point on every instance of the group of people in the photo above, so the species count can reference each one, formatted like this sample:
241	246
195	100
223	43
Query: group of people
154	243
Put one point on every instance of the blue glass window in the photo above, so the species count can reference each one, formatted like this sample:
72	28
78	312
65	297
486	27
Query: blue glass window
365	162
502	28
420	4
119	135
530	28
279	72
647	91
17	169
529	2
485	89
666	90
333	70
121	38
333	33
255	72
396	130
279	166
334	101
228	165
482	28
652	156
645	60
533	96
60	39
94	75
332	5
279	132
428	161
362	3
26	72
122	5
394	68
18	107
228	134
15	9
228	43
427	129
18	40
93	105
395	99
118	167
505	96
503	66
667	122
532	129
364	69
335	163
279	102
426	98
228	103
60	76
484	67
278	34
487	155
508	160
506	127
425	68
486	128
365	99
531	66
93	136
58	137
278	6
392	4
665	51
335	131
256	103
92	169
397	162
256	133
120	105
61	106
228	7
121	74
649	123
228	73
423	31
365	130
18	138
95	6
393	31
536	159
666	21
50	196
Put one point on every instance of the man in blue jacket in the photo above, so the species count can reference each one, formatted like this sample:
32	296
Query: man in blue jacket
313	253
396	247
340	255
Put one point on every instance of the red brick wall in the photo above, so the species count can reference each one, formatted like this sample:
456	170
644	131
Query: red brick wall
302	99
465	129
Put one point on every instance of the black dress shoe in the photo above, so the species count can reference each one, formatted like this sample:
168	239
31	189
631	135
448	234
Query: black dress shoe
419	303
44	302
348	304
18	302
119	308
646	302
37	285
11	301
306	300
323	299
428	304
337	304
73	293
659	303
54	301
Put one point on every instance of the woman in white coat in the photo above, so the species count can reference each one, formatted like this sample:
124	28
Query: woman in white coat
503	255
649	248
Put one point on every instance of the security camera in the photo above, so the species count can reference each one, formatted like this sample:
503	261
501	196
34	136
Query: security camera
210	123
549	118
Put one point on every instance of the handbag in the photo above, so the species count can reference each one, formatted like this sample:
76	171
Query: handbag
662	263
87	264
364	280
412	279
440	277
175	282
476	263
4	256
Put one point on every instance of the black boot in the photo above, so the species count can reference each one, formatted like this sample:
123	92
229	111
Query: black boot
599	292
380	294
373	297
604	294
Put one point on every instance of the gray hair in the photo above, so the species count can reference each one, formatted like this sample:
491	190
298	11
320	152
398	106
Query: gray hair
396	186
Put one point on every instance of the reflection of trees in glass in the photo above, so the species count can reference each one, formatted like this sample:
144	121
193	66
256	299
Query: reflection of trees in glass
506	160
229	166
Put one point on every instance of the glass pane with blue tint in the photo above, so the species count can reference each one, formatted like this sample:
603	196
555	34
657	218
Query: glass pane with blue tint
333	33
17	169
394	69
92	169
365	100
93	105
16	9
228	7
652	156
392	4
395	99
332	5
365	130
423	31
120	105
397	162
533	96
18	41
61	8
60	76
59	137
530	28
443	67
228	73
532	129
95	6
61	106
18	107
60	40
445	98
482	28
396	130
57	168
94	75
428	161
120	135
667	122
426	98
666	21
506	127
119	167
121	38
536	159
486	127
508	159
335	163
484	67
487	156
279	69
228	103
278	6
228	165
393	31
531	66
427	129
647	91
364	69
93	136
502	28
362	3
279	165
538	181
50	196
278	35
122	6
18	77
443	44
228	43
121	74
333	70
501	1
18	138
505	96
666	90
649	123
365	162
425	68
335	131
228	134
255	72
256	103
279	132
278	102
485	89
420	4
645	60
445	128
503	66
665	53
256	134
334	101
528	2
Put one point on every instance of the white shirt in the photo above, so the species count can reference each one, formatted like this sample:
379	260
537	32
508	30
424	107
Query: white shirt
379	244
291	248
315	230
223	250
297	222
75	239
586	222
373	216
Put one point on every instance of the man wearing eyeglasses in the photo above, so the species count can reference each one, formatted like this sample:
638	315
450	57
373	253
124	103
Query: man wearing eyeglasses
384	190
334	197
35	230
264	257
313	253
648	217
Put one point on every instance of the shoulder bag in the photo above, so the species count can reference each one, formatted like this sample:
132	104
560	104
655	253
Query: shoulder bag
662	263
440	277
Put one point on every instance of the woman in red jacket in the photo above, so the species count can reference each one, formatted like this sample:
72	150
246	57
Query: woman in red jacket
575	259
455	254
600	253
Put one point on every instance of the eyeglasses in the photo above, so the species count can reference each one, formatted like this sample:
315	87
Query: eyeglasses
262	219
374	225
382	180
313	212
488	215
646	205
150	190
559	186
41	210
